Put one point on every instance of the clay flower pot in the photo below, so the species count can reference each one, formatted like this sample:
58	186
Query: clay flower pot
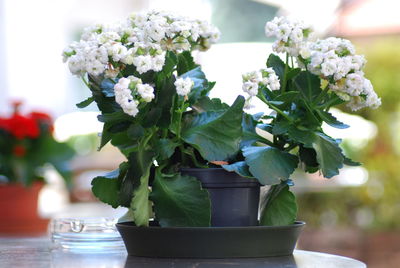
19	209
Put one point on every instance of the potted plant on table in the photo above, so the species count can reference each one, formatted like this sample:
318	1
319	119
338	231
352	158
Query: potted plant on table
154	105
26	146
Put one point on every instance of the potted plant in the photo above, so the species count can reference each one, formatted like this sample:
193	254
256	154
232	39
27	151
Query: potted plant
26	145
153	101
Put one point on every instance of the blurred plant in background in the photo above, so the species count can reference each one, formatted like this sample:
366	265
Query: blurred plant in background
27	144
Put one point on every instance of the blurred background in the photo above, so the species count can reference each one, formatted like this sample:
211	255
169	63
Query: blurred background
355	214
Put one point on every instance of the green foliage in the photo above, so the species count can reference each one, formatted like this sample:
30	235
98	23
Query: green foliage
179	200
216	134
279	206
269	165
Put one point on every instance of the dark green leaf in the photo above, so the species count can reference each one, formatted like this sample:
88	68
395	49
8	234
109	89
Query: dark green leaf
277	64
287	97
269	165
180	201
135	131
164	102
205	104
170	62
216	135
240	168
308	85
85	103
165	148
349	162
200	84
185	62
292	73
281	127
329	155
107	87
331	120
114	117
279	208
249	137
105	136
309	157
105	188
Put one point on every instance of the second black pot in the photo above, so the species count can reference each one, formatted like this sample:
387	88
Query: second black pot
234	199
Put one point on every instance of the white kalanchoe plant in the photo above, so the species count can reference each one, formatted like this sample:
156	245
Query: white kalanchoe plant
328	73
154	105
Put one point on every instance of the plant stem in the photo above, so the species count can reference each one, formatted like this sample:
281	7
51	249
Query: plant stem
84	81
285	73
279	111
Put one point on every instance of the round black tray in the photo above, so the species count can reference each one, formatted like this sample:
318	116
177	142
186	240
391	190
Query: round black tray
210	242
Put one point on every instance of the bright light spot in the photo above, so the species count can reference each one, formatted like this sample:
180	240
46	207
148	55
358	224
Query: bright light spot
77	123
352	176
225	64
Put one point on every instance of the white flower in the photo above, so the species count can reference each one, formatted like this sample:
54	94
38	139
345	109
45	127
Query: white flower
141	40
143	63
123	96
266	77
291	35
250	88
270	79
146	92
183	86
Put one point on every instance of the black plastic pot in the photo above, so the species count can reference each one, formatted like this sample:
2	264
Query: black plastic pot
234	199
209	242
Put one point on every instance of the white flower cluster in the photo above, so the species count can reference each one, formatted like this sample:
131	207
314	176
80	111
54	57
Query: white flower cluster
142	40
265	77
183	86
334	59
130	91
291	35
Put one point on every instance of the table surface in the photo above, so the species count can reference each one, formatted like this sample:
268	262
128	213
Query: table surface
35	252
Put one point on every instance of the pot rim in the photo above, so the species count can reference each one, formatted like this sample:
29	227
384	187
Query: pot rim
130	224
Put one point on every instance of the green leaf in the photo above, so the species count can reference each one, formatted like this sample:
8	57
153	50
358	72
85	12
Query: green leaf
179	200
281	127
308	85
240	168
216	135
279	206
107	87
165	148
138	179
135	131
205	104
164	102
269	165
288	97
140	205
185	62
106	188
85	103
250	136
349	162
105	136
170	62
277	64
309	157
331	120
328	153
200	84
113	117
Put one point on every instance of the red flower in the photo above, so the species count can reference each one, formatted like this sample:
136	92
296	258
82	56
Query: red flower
43	117
21	127
19	151
5	124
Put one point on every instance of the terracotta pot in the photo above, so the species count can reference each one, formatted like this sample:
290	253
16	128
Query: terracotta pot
19	209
